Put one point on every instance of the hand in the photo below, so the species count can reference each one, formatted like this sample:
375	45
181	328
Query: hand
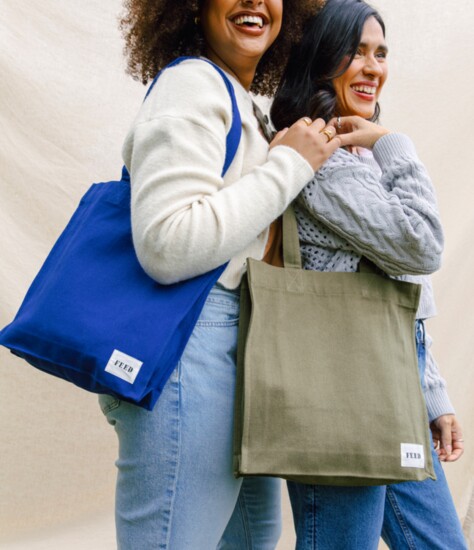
307	137
358	132
447	438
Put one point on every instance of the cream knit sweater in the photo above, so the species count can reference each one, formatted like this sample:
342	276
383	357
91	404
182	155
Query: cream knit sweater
186	218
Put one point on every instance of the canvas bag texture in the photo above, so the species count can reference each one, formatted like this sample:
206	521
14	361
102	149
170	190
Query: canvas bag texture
92	316
328	390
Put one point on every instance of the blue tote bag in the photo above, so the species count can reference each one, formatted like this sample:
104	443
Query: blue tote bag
92	316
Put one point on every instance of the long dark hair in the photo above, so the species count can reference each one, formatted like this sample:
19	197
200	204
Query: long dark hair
328	37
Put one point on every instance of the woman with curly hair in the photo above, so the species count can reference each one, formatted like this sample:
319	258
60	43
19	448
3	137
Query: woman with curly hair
175	487
372	198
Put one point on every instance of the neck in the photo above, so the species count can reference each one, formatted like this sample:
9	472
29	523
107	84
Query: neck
243	72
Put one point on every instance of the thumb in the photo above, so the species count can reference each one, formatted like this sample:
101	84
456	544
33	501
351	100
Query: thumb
277	137
349	139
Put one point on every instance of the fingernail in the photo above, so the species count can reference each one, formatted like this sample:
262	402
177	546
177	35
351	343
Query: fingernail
448	449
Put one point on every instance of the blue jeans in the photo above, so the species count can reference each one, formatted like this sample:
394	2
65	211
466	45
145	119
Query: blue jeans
175	485
408	516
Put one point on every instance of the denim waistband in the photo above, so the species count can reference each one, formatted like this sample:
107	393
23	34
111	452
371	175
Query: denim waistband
224	295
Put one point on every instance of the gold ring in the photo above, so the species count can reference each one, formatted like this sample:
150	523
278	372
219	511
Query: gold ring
307	121
328	133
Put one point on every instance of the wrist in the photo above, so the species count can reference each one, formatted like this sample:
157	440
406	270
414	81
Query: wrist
380	134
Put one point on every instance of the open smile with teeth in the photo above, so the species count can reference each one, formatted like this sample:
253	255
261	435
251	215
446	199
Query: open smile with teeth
369	90
249	21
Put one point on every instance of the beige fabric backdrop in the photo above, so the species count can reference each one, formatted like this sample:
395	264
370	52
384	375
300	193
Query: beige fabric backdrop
65	107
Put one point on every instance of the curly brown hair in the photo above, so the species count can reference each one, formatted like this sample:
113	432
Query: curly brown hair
158	31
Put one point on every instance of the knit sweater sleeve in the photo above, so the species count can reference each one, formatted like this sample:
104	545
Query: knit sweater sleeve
434	387
396	224
186	218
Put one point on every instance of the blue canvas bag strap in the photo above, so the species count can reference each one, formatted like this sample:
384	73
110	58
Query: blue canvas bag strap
233	136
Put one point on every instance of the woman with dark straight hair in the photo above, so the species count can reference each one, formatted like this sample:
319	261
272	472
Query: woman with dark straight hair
372	198
329	44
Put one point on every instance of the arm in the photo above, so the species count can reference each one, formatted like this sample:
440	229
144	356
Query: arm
399	230
445	428
186	219
434	386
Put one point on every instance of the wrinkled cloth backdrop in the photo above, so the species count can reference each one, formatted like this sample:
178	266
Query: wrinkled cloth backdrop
66	105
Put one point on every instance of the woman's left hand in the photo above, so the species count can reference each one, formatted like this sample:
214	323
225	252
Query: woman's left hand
357	132
447	437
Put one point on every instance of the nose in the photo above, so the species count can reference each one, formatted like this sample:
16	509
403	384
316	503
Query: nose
251	2
372	66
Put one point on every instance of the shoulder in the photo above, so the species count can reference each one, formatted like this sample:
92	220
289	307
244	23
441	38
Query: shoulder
191	89
193	72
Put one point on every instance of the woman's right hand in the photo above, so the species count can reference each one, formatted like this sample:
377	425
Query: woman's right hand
355	131
308	139
447	437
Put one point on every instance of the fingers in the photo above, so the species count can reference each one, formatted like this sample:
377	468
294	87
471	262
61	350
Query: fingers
278	137
319	126
358	138
436	440
349	129
457	442
456	453
447	436
346	124
329	132
359	133
280	134
326	130
312	139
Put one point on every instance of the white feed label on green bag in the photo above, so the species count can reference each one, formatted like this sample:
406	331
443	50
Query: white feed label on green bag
413	456
122	365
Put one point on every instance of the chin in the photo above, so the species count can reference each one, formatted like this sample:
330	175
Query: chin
367	114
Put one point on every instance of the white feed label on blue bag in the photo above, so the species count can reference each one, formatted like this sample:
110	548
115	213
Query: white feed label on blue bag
413	456
122	365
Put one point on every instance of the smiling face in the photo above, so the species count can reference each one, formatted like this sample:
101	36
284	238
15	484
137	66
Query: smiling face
238	33
358	89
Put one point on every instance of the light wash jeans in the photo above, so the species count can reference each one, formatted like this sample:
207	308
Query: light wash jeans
409	516
175	486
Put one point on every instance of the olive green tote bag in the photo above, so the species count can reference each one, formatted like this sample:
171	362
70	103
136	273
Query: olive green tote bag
328	389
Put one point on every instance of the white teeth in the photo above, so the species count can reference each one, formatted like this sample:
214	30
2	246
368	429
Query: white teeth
365	89
252	19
